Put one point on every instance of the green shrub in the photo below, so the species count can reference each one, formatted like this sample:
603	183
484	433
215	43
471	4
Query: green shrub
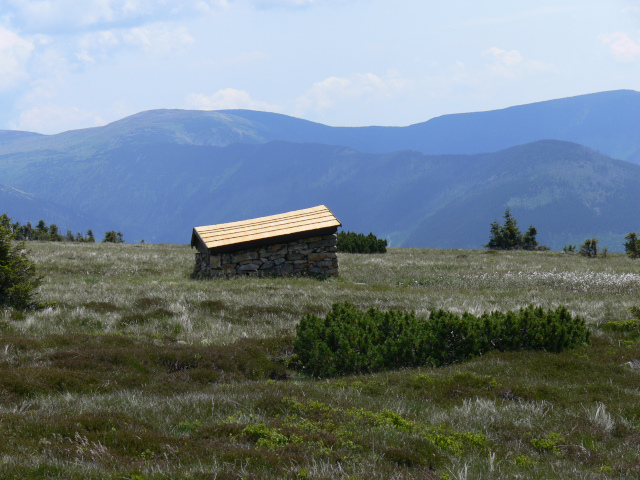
589	248
18	277
632	245
349	340
351	242
629	325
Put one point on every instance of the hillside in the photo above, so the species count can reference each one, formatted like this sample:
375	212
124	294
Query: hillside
158	192
567	191
31	208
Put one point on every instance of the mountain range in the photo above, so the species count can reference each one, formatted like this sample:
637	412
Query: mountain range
567	166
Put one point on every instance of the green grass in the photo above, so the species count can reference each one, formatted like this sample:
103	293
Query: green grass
142	372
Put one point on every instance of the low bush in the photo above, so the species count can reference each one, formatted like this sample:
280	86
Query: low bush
629	325
349	340
351	242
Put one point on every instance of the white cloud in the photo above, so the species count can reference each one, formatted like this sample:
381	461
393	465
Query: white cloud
510	64
15	52
159	38
69	15
623	47
248	57
325	94
512	57
54	119
283	3
94	45
229	99
296	4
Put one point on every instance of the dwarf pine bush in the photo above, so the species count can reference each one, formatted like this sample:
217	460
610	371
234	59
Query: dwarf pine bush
351	242
349	340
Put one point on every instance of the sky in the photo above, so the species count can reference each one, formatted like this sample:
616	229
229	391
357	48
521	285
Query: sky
68	64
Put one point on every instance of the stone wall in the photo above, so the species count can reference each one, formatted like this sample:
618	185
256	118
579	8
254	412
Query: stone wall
315	256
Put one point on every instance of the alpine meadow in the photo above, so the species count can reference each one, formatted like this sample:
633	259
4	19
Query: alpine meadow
490	328
137	370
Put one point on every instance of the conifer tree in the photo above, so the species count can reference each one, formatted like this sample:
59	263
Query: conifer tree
589	248
113	237
511	232
529	241
18	277
496	242
632	245
509	237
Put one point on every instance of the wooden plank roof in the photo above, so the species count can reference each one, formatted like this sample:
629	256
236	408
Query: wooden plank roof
227	237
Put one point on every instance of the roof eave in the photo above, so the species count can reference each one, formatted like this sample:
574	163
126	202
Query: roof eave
272	240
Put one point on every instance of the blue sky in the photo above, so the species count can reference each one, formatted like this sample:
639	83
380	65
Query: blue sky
67	64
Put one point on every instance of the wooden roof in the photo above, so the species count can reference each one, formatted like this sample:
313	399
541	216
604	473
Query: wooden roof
227	237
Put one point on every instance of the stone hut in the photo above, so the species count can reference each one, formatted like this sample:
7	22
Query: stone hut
295	243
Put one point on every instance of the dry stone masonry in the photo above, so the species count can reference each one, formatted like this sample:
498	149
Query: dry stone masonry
302	242
306	256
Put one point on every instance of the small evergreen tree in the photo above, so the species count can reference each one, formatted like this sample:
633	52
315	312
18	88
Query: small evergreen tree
27	231
529	241
113	237
510	231
508	236
5	221
54	234
18	277
589	248
632	245
42	231
496	241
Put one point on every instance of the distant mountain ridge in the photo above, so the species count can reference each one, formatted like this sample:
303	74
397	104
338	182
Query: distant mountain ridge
157	174
160	191
608	122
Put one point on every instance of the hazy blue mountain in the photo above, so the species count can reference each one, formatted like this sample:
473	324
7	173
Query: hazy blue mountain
157	174
25	207
11	136
160	191
567	191
608	122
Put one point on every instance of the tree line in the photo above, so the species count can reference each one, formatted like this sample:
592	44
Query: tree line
51	232
351	242
508	237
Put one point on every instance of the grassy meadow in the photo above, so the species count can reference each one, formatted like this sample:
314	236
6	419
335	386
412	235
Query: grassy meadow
141	372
